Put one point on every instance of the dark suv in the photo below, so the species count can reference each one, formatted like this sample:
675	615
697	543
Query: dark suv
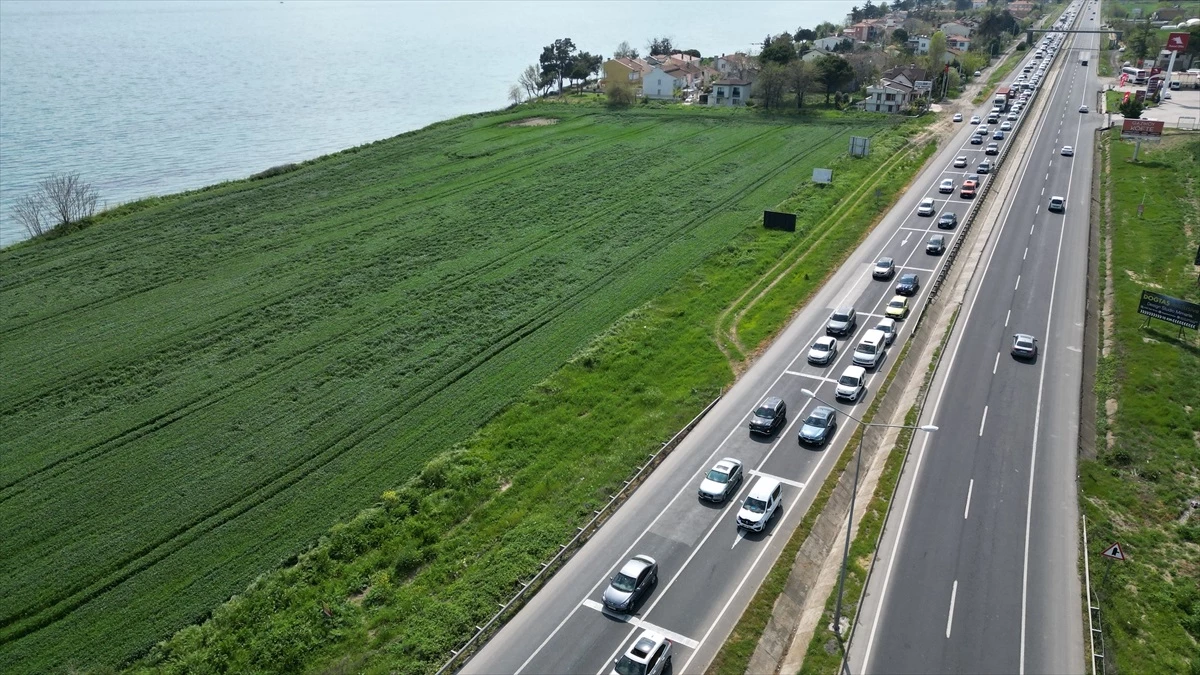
908	284
842	322
768	417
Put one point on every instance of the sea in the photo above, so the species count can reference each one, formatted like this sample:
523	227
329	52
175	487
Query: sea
152	97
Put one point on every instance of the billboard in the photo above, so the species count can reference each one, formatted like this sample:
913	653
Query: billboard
1141	128
860	146
822	175
923	86
774	220
1177	42
1171	310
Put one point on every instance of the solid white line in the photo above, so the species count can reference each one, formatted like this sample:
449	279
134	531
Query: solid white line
984	420
970	488
1018	282
634	621
918	269
996	364
950	617
811	377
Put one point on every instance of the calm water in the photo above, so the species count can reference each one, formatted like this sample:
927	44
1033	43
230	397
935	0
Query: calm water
148	98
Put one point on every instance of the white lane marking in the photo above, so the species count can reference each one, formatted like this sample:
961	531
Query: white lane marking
918	269
950	617
634	621
887	577
904	242
1031	228
983	421
809	376
1047	175
1018	282
1043	191
781	479
996	364
1026	253
970	488
1037	210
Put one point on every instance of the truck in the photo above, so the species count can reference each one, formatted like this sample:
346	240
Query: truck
1083	59
1000	100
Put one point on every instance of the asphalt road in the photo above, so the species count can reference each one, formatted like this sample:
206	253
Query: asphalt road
708	569
978	567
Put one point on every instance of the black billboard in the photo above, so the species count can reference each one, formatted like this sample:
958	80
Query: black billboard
774	220
1171	310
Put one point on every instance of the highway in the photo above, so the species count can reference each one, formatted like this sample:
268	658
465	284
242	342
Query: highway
978	571
708	569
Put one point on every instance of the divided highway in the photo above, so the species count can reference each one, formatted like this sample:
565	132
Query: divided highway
978	568
708	569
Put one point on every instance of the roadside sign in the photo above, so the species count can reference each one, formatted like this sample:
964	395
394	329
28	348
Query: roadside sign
1177	42
822	175
1114	552
1141	129
1172	310
923	85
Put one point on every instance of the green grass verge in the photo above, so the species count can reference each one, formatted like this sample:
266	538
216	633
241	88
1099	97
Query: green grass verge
197	387
403	583
1137	492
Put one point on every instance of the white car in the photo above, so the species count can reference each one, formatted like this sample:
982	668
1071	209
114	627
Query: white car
1012	116
888	326
823	351
975	119
1007	126
957	117
960	162
1057	203
852	384
650	654
926	207
1068	151
947	186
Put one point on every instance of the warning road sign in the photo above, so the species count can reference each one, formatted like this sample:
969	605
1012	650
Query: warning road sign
1114	552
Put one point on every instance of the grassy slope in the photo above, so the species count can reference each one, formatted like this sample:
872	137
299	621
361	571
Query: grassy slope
401	585
1135	492
200	385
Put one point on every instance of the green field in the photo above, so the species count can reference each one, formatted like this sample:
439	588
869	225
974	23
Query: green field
1137	490
197	387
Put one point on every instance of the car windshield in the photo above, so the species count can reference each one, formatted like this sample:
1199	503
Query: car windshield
896	302
910	278
764	411
838	316
820	347
718	476
884	262
627	666
755	506
624	582
816	420
848	380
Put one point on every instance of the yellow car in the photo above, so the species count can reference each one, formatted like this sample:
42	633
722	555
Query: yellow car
897	308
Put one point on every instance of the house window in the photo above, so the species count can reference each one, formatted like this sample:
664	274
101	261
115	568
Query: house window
891	97
737	92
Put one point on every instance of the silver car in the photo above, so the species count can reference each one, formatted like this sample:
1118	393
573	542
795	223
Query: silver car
650	654
722	480
822	351
631	584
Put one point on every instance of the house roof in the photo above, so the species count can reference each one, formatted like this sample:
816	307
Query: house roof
635	64
732	82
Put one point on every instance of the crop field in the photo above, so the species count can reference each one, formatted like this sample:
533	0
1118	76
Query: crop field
198	386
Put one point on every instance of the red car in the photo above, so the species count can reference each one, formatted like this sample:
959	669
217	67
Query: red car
968	189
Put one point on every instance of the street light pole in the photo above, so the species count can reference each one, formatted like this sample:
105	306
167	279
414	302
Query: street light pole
837	612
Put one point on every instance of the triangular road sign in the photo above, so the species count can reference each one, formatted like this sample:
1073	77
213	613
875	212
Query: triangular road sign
1114	552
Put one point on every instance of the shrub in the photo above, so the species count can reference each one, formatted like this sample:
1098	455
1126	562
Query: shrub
275	171
619	94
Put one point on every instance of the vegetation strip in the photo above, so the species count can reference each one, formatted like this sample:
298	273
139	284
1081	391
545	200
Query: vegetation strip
1141	488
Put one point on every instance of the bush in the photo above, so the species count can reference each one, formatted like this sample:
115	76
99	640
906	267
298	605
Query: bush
275	171
619	94
1021	46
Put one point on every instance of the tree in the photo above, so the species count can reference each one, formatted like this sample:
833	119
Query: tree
937	50
659	46
619	93
833	72
803	34
531	81
779	50
556	60
582	66
1131	109
514	94
772	82
825	29
900	36
690	52
802	77
624	51
64	198
962	5
856	14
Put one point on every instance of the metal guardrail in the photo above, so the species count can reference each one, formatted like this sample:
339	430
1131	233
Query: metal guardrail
1094	629
580	535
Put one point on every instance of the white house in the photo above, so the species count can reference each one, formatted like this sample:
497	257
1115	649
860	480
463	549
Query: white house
919	44
955	28
729	91
814	54
828	43
888	96
663	84
735	65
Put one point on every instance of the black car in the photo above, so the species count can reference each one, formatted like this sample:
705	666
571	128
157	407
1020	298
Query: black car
843	321
977	140
819	427
768	417
936	245
948	221
908	284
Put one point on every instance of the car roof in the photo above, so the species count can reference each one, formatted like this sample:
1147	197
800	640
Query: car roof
873	335
826	339
635	565
886	259
644	646
887	321
898	297
845	309
855	371
763	488
910	275
726	464
821	411
771	401
1023	336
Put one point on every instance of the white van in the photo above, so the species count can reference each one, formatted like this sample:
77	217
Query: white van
760	505
869	351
